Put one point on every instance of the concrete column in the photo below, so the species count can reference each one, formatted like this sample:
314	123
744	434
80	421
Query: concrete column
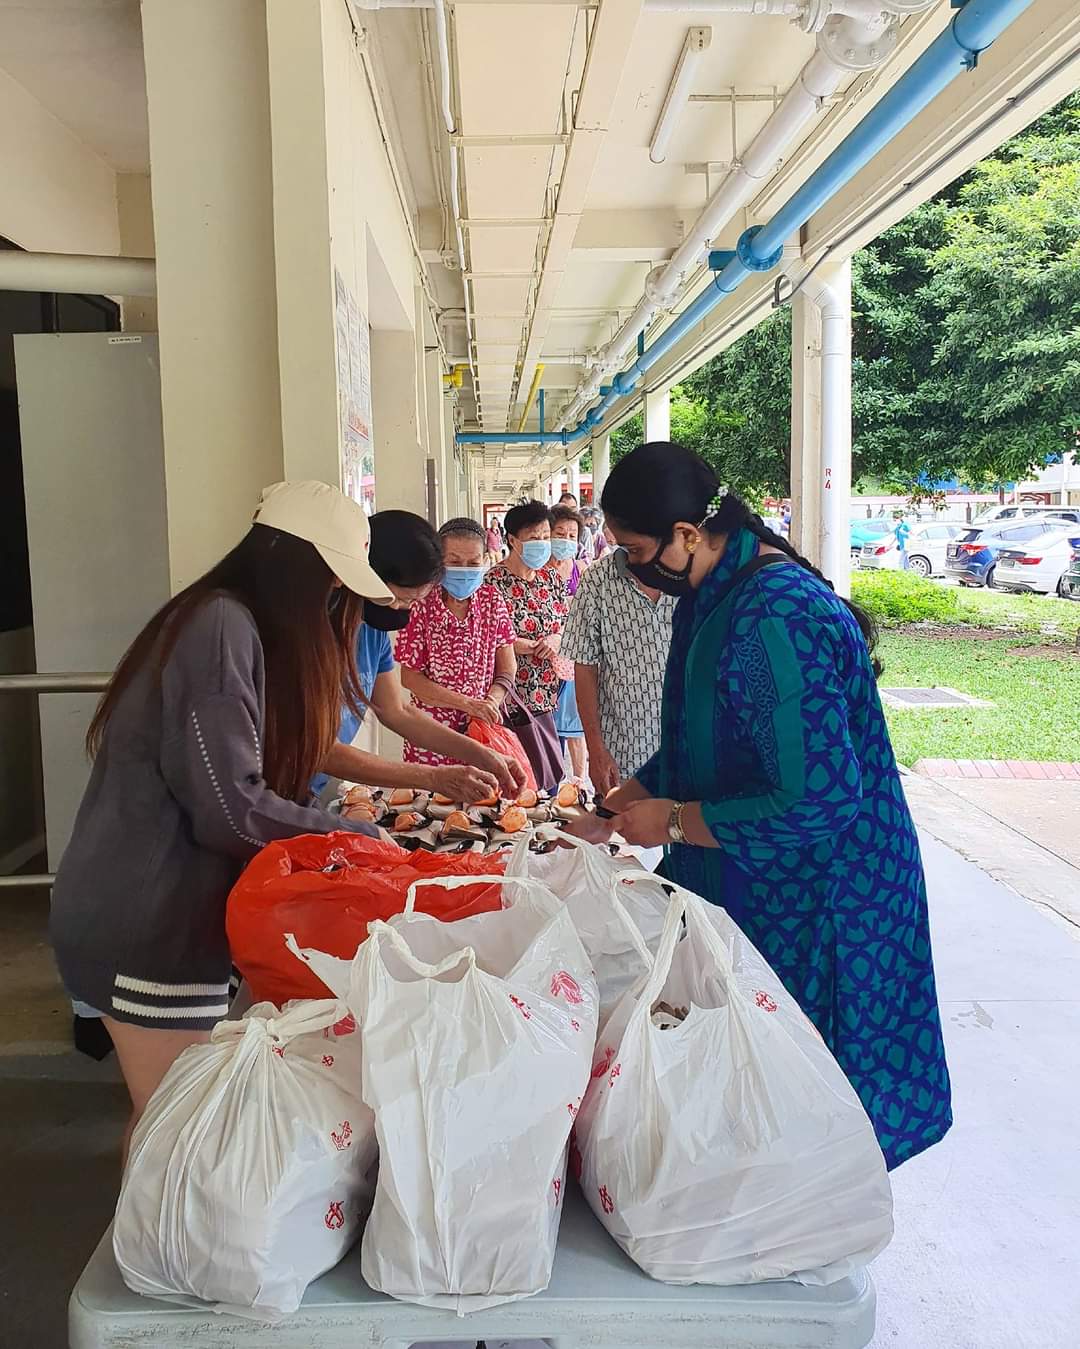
821	422
214	236
601	466
306	332
135	216
658	415
400	478
573	478
806	426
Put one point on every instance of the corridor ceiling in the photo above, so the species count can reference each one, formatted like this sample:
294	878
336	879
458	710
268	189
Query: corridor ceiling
563	212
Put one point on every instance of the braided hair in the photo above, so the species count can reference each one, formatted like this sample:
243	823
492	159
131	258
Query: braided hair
658	484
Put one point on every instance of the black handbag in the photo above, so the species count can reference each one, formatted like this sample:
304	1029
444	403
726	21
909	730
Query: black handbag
539	739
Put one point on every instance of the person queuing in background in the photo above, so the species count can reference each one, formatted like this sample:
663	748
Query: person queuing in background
457	652
203	745
493	542
538	607
594	543
901	533
565	531
618	635
407	554
776	786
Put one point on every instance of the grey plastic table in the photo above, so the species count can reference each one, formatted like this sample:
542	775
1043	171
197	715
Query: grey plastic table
597	1297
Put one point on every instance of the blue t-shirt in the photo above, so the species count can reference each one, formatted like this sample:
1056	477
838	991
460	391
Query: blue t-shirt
374	656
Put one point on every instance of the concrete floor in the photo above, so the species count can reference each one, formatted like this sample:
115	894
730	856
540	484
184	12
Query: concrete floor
988	1222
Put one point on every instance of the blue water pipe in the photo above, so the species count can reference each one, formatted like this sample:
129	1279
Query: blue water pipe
975	26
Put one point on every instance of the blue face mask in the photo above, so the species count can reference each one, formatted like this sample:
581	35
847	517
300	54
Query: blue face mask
461	582
562	550
535	553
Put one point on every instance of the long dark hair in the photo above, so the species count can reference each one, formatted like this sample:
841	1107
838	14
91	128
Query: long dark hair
308	631
659	484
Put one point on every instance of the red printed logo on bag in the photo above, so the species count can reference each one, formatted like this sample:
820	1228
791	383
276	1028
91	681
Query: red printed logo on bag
602	1065
615	1072
328	1060
279	1050
521	1007
576	1025
345	1026
342	1140
568	986
556	1185
765	1002
335	1219
606	1201
572	1109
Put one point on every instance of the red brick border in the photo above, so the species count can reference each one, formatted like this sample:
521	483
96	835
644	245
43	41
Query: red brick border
1026	770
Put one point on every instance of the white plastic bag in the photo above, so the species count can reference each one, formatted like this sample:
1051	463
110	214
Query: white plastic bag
729	1148
251	1171
619	925
478	1039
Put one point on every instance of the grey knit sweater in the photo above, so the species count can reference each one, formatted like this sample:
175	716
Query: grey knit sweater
175	806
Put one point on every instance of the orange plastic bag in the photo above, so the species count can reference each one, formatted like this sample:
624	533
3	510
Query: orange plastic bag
503	741
326	888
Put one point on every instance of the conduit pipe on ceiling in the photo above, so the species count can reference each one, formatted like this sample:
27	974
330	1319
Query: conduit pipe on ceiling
974	28
870	42
76	273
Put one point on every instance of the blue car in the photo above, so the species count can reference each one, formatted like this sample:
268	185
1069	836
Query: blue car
972	556
865	531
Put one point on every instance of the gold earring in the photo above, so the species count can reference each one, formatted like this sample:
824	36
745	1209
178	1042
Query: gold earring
691	544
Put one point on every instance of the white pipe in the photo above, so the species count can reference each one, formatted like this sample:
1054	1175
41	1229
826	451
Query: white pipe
443	44
818	80
694	46
785	8
455	208
834	301
76	273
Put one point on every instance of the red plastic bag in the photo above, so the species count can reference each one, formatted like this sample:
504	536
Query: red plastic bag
326	888
503	741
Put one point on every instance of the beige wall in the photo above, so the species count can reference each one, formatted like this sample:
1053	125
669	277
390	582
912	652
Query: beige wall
213	224
56	196
336	210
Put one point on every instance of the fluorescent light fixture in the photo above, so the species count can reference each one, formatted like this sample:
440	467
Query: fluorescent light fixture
682	83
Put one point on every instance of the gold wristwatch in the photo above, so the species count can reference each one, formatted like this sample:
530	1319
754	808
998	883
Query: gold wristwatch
674	824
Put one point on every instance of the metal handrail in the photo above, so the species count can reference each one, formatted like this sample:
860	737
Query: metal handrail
54	683
46	683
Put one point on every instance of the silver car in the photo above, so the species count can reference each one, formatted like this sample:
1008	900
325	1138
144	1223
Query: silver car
926	547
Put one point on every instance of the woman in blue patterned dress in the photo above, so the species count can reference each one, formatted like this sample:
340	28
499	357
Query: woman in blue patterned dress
775	785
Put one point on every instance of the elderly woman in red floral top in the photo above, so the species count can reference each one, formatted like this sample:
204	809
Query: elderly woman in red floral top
538	606
457	653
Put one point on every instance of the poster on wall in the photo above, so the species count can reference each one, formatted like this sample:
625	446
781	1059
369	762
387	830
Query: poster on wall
354	396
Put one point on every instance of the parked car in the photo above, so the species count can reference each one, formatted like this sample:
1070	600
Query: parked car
1040	565
1026	511
1070	581
865	531
972	556
926	547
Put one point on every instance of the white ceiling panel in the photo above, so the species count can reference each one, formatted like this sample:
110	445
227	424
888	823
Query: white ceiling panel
503	295
498	248
507	182
511	66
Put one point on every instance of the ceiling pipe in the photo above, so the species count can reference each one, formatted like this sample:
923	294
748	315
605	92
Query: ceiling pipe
974	28
845	44
76	273
694	47
537	377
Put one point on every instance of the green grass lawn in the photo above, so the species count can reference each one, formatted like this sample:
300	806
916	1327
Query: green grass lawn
1036	712
1051	618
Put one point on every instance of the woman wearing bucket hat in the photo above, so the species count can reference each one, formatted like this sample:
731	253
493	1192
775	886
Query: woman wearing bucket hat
204	745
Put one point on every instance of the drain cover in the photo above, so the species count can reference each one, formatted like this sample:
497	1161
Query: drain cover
919	700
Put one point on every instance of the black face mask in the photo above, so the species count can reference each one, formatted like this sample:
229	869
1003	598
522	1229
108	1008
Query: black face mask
658	577
383	618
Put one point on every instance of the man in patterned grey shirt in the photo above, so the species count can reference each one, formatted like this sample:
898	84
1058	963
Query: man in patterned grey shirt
617	635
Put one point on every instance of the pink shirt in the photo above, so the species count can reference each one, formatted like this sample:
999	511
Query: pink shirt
458	653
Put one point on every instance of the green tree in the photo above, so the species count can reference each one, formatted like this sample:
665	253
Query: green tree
966	338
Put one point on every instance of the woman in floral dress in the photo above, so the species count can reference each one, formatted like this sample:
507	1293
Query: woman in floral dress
457	652
538	603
